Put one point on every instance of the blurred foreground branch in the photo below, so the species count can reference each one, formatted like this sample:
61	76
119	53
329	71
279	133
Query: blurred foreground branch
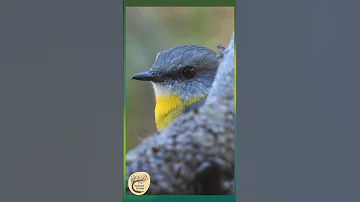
195	153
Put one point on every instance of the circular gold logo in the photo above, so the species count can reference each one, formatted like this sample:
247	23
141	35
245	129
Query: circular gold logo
139	183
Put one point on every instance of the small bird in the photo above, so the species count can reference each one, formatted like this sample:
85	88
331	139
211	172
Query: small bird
181	77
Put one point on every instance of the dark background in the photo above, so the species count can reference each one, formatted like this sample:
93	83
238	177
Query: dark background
61	100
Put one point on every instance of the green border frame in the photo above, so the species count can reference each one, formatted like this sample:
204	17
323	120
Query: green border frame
177	3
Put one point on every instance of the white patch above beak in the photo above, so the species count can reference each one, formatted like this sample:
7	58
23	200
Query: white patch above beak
157	55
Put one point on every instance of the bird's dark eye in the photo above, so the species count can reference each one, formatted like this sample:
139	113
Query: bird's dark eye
189	72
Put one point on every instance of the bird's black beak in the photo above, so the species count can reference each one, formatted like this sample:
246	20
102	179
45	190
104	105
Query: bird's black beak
145	76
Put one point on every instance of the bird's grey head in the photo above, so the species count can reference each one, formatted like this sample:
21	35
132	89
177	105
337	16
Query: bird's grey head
187	71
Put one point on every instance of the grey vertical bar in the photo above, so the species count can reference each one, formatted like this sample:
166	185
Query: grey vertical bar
61	100
298	101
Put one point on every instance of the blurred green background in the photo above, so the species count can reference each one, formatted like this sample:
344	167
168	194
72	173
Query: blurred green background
151	29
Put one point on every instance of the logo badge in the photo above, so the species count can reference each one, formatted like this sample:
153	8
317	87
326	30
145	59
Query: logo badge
139	183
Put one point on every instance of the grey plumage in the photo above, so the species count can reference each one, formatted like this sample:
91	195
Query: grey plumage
168	67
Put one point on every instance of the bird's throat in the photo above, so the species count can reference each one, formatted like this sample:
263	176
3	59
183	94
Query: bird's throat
170	107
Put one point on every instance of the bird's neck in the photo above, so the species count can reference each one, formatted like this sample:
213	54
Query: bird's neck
170	107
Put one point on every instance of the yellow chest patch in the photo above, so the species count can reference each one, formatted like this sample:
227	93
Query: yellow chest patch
169	108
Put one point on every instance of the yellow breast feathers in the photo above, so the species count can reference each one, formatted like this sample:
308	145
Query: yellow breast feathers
169	108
